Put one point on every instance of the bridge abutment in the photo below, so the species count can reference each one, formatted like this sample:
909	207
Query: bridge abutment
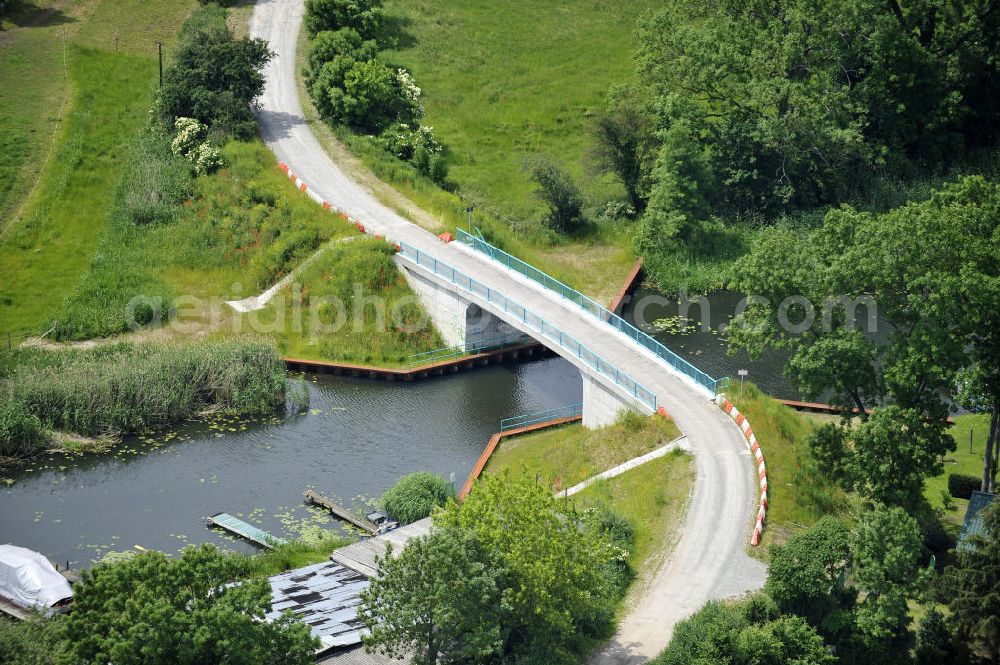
459	321
601	407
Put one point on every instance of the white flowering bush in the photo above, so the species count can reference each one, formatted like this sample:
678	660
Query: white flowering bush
206	158
411	93
190	143
190	133
403	140
417	145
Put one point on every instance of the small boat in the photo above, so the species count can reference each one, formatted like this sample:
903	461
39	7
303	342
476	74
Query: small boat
30	583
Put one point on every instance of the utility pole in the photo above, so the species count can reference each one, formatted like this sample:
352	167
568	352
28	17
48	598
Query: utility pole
159	48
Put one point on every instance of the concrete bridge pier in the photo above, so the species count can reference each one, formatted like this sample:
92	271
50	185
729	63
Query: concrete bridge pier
601	406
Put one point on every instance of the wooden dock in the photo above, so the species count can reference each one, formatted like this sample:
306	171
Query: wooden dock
243	530
360	556
339	512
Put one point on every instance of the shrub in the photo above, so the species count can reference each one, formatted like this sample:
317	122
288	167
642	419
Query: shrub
190	143
558	191
720	633
961	486
828	446
344	42
364	16
620	532
365	94
214	78
414	496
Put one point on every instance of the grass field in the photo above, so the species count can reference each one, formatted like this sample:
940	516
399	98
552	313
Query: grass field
962	461
567	455
355	306
504	81
48	246
652	498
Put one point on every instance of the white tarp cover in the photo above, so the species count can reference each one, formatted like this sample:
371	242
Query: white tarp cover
29	580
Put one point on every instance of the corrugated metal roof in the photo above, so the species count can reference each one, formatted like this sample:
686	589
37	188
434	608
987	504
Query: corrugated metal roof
973	524
357	656
324	596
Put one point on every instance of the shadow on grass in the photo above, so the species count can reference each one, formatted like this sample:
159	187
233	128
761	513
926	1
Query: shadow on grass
395	34
27	15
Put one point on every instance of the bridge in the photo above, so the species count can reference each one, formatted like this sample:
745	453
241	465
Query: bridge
462	280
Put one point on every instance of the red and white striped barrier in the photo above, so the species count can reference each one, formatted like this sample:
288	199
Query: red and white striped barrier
758	455
318	199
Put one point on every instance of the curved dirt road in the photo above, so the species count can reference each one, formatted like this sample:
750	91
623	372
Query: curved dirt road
710	559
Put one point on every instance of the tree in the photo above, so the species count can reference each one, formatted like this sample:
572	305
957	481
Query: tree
886	547
975	589
677	205
437	602
363	16
557	596
894	451
215	78
806	575
152	609
414	496
623	145
798	103
730	635
557	190
936	644
916	271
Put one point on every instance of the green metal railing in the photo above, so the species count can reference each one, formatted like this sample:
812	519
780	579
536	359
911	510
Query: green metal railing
471	347
589	305
527	419
533	322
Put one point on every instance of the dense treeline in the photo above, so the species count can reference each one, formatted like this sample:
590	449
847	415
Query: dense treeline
754	111
123	388
512	575
840	595
931	271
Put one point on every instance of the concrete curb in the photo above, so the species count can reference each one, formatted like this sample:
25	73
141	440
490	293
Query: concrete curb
758	454
680	443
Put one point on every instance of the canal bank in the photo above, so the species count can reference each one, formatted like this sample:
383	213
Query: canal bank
356	438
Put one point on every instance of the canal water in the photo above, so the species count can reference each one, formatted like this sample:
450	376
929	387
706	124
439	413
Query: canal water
697	333
356	439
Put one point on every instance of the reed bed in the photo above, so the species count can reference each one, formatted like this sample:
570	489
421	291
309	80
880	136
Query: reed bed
125	388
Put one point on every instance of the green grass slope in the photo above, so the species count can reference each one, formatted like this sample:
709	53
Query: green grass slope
109	53
504	80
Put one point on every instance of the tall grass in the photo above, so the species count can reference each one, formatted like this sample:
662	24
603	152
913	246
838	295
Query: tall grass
798	494
123	388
